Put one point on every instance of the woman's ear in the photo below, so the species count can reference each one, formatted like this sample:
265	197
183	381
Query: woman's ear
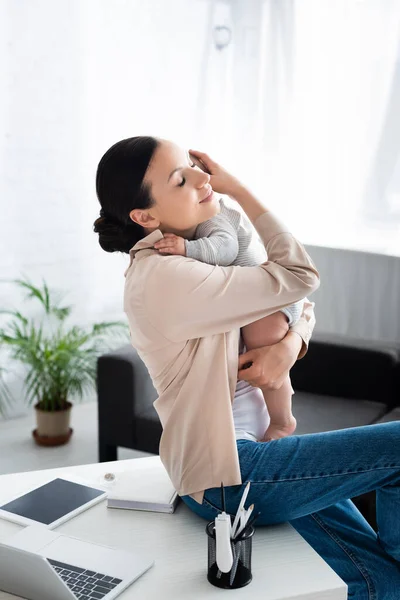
144	218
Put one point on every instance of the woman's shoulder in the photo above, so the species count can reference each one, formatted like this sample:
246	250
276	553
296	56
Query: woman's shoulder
158	273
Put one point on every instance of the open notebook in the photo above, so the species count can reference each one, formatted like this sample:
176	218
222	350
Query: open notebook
144	489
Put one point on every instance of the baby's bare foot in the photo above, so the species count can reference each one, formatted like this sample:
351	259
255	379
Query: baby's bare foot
276	431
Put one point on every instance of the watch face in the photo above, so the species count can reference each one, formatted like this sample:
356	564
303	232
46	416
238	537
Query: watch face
199	163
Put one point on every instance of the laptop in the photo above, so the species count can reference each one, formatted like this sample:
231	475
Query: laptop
40	564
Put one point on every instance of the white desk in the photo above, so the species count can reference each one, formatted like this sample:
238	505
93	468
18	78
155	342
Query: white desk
284	566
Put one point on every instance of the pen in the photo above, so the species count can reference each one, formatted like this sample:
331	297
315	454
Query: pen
247	528
241	505
235	562
245	520
223	497
242	518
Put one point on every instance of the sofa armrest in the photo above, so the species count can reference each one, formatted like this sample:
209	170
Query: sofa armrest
347	368
397	382
125	392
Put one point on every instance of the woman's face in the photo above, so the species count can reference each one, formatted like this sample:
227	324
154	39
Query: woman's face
182	193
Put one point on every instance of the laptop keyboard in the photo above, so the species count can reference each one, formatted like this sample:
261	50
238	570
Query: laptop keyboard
86	585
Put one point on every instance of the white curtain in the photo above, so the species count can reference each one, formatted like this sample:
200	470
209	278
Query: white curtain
303	103
78	75
298	97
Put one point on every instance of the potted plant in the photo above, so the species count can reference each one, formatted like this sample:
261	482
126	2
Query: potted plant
60	360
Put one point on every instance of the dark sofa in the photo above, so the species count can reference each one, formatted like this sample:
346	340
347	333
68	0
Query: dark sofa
340	383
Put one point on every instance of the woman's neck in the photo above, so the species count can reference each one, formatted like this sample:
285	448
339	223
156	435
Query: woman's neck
188	234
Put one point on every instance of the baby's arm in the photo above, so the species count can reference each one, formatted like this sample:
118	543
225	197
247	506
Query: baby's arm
217	243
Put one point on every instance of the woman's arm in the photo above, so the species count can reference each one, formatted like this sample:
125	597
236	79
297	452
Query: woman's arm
187	299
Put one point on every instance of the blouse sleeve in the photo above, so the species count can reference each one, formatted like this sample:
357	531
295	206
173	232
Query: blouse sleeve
187	299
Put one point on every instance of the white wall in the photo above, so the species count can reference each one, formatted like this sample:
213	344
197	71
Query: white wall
59	59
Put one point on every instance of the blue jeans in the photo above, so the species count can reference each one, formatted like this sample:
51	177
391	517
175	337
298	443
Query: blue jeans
308	480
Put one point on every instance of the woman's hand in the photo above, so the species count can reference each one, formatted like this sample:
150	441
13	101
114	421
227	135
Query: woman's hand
270	364
221	181
224	183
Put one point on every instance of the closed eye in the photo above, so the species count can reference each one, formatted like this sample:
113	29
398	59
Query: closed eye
182	183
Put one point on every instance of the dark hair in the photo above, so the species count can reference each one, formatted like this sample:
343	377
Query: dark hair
120	189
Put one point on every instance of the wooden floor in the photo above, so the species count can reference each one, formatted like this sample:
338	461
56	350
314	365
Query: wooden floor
18	451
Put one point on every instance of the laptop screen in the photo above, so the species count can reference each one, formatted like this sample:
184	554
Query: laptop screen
52	501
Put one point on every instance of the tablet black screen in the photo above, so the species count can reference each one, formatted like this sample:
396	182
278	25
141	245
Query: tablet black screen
52	501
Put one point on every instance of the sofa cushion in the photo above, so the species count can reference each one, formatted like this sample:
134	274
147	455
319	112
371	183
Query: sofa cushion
393	415
348	369
316	413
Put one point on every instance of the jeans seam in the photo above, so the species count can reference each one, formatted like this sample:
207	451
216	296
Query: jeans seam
210	505
323	476
359	565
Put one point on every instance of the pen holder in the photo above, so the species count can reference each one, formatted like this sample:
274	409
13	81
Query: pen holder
240	574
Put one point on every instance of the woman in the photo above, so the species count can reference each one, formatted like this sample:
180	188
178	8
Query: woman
185	318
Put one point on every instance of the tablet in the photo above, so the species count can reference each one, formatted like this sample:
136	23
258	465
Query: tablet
52	503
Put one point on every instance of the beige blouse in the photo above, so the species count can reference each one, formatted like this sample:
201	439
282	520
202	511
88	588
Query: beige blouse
185	318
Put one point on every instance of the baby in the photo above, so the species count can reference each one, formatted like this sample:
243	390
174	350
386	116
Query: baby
228	239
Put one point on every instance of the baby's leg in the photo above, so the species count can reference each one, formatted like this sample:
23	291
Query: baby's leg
279	404
266	332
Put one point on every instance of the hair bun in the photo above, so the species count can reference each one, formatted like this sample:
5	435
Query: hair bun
113	235
120	188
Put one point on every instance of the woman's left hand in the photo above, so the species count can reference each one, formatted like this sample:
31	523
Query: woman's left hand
270	364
